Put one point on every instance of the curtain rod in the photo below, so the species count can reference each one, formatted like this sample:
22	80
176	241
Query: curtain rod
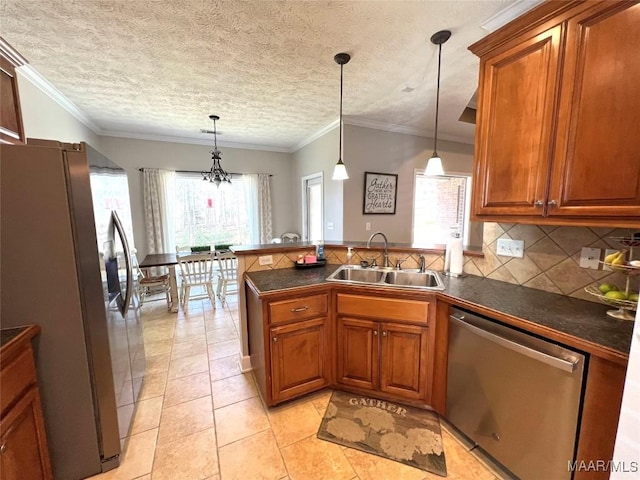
200	172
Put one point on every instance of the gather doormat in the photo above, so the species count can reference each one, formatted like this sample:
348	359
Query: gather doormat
398	432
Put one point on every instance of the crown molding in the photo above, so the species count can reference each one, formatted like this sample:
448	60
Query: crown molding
12	54
31	74
192	141
314	136
509	13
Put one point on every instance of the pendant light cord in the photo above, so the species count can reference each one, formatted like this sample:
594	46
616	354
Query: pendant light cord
340	156
435	140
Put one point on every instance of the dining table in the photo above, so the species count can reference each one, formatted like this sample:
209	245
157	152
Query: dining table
169	260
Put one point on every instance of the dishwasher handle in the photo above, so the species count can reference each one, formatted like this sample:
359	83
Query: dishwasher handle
551	360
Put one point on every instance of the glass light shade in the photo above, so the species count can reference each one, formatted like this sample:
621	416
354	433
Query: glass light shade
434	166
340	172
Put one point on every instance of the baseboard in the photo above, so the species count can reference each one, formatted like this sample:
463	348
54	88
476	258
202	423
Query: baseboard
245	364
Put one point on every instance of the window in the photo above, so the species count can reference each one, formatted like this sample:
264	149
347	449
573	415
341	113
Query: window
110	191
210	215
441	207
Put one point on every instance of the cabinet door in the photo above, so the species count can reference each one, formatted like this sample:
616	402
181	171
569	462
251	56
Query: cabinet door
403	360
515	125
357	352
299	358
23	450
11	130
597	165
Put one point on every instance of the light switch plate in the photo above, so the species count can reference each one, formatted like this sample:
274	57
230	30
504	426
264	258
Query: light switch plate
330	226
590	258
265	259
510	248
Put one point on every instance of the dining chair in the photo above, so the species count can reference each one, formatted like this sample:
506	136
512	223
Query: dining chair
196	271
182	250
227	275
147	285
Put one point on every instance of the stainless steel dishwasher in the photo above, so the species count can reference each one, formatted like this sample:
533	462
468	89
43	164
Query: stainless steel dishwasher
514	395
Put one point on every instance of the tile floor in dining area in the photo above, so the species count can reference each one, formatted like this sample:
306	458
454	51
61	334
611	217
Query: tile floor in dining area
199	417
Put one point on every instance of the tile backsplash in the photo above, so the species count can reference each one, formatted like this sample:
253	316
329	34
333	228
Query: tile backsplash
551	258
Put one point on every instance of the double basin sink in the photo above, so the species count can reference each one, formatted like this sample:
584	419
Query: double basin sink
414	279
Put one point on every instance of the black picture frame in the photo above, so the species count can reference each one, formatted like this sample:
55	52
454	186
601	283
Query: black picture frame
380	193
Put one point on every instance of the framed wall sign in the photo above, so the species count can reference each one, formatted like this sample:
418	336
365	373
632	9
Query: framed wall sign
380	191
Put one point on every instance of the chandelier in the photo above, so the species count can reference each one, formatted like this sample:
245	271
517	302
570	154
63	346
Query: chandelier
217	174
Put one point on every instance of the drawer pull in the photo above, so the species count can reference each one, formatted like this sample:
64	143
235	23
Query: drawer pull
538	203
300	309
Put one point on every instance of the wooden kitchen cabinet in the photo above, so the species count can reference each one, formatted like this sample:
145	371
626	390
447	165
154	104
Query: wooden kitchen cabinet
299	362
380	354
558	109
289	343
23	443
11	128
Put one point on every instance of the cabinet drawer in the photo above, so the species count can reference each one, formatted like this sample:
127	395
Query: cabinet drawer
16	377
298	308
414	311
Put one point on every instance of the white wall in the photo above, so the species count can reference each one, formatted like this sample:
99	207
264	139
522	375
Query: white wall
369	150
133	154
320	156
44	118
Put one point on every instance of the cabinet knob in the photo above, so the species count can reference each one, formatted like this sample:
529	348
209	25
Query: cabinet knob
384	333
275	339
300	309
552	203
375	333
3	448
538	203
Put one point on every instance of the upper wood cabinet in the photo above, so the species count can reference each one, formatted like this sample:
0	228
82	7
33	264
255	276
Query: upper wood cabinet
11	129
558	113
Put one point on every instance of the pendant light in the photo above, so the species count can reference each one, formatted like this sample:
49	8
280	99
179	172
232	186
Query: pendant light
217	174
340	171
434	164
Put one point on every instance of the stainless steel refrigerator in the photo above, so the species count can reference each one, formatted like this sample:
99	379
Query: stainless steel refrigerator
89	356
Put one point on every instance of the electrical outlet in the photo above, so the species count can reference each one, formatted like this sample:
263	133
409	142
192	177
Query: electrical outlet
367	226
330	226
510	248
590	258
265	260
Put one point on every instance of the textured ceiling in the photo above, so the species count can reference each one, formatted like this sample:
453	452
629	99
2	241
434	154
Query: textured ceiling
265	67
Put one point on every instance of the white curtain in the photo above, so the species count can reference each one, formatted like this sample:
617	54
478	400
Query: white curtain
258	201
159	192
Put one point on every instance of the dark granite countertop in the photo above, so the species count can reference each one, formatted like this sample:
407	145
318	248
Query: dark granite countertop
8	334
580	319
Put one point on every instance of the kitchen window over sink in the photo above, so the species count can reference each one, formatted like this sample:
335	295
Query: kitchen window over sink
441	207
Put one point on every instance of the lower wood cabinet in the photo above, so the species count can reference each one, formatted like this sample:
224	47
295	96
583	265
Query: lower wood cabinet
383	356
23	443
299	358
289	343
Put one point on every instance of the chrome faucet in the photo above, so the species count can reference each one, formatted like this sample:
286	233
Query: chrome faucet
422	265
386	263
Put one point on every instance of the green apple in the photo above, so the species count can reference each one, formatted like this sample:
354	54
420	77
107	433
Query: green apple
633	297
607	287
616	295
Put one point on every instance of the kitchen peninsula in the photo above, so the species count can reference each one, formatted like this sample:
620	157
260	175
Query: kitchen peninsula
572	322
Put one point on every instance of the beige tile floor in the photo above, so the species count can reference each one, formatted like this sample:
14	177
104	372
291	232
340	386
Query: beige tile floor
199	417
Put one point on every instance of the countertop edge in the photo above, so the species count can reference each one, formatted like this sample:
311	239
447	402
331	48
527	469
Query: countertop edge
15	344
590	347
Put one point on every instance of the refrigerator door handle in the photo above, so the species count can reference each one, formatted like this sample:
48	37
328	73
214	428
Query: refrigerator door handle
538	355
127	261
